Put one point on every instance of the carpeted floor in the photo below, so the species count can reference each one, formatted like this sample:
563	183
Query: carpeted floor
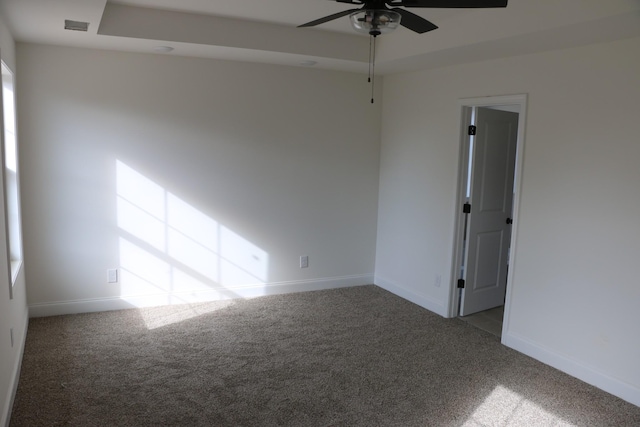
346	357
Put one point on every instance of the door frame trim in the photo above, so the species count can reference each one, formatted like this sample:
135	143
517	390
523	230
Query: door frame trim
465	105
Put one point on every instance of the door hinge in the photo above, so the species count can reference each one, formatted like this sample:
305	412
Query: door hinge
466	208
460	283
472	130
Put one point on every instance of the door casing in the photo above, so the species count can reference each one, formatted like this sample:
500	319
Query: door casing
466	105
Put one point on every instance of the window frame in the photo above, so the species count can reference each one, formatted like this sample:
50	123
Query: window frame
10	196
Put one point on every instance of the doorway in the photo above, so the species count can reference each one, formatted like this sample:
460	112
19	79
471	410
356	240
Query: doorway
492	137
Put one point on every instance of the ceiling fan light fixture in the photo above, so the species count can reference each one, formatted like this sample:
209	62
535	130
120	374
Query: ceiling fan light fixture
375	21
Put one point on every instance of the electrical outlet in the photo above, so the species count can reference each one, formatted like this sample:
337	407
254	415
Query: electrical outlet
304	261
438	280
112	275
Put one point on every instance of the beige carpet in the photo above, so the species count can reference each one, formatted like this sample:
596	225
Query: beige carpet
348	357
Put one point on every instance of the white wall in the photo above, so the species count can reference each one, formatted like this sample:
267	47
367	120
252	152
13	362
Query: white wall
255	165
575	289
13	312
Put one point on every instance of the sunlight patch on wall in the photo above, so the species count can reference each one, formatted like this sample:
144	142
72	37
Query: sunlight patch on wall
506	408
172	253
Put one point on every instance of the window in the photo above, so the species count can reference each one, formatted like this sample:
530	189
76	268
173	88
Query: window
10	157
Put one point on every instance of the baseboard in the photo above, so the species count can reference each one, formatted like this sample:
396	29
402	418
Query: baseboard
6	415
573	367
137	301
416	298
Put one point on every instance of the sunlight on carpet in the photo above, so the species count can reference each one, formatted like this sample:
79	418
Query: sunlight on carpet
158	317
506	408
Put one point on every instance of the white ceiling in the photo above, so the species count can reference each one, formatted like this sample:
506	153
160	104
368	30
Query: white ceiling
265	30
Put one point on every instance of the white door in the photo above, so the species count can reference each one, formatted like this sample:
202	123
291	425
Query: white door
489	222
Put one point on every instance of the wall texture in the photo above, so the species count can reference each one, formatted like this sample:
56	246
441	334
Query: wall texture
196	179
13	312
575	292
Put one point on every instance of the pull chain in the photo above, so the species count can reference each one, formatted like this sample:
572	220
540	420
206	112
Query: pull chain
370	40
373	68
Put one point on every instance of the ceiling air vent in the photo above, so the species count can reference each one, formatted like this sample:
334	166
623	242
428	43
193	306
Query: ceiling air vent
75	25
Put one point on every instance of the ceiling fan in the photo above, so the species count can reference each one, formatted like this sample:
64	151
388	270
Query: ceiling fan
377	17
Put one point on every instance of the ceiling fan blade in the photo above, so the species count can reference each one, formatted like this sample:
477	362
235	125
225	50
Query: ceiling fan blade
414	22
449	3
328	18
